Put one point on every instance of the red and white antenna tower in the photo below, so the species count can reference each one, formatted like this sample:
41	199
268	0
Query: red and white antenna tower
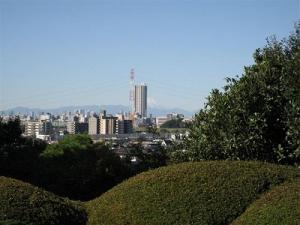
131	91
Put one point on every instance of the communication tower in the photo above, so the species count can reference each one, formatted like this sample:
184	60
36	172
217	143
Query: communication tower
131	91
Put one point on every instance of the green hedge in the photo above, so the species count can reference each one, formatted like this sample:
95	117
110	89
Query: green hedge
213	192
22	203
281	206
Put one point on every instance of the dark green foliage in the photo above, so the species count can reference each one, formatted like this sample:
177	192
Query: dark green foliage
146	158
12	222
279	206
174	123
257	116
208	193
10	132
18	155
152	130
70	144
79	169
176	155
22	203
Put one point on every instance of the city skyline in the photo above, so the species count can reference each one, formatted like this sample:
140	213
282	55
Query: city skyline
56	53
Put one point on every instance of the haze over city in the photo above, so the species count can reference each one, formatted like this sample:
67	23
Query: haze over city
56	53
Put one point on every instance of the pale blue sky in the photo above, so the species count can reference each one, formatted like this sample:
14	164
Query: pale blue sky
68	52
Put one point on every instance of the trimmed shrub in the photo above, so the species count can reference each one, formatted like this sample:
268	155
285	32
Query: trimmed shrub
281	205
12	222
22	203
211	192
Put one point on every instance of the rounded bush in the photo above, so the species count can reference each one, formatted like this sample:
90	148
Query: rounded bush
213	192
22	203
281	205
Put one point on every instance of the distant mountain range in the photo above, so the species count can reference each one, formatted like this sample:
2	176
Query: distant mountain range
111	109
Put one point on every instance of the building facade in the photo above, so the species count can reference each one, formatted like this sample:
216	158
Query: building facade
108	125
35	128
140	100
77	128
94	125
32	128
124	127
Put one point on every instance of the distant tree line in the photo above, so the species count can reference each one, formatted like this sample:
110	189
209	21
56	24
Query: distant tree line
174	123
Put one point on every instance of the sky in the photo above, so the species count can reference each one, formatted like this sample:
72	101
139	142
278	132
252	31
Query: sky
68	52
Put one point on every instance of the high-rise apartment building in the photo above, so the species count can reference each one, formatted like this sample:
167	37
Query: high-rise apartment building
108	125
124	127
71	127
140	100
77	128
94	125
114	124
34	128
46	128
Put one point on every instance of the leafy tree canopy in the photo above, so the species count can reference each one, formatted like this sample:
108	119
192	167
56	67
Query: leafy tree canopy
70	143
18	155
256	116
79	169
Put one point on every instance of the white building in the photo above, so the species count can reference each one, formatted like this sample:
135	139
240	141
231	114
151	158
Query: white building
32	128
71	127
35	128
